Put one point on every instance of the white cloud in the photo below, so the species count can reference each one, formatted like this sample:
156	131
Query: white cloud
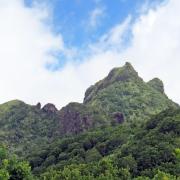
25	45
154	48
26	41
95	16
115	37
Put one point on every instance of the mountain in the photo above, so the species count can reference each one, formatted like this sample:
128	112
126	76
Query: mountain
120	97
124	91
23	126
157	84
125	129
140	151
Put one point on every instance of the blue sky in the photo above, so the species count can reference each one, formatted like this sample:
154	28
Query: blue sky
53	50
74	19
71	17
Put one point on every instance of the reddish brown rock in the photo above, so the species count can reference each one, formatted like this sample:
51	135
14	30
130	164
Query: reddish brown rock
74	118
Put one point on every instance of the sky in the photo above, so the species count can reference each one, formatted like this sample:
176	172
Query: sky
53	50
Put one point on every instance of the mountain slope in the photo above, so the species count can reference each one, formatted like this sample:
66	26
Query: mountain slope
153	147
117	133
142	150
124	91
23	127
121	97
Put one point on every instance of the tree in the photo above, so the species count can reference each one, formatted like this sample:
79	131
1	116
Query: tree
12	168
164	176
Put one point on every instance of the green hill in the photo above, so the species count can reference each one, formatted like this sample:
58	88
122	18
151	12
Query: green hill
24	127
141	151
125	129
124	91
121	96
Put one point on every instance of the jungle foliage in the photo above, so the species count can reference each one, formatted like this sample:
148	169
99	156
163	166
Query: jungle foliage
125	129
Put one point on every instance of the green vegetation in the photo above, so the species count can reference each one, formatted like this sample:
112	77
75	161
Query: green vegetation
12	168
23	127
124	91
84	148
126	129
150	151
157	84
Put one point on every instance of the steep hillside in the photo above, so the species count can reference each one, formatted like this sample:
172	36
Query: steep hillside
124	129
121	97
124	152
75	118
84	148
23	127
124	91
154	146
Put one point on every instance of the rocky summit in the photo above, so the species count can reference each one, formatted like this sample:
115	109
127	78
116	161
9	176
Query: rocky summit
124	91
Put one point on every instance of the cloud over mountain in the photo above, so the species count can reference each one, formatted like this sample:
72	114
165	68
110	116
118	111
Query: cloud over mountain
28	44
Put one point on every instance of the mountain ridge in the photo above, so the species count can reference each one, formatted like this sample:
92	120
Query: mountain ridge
125	128
123	73
121	97
122	89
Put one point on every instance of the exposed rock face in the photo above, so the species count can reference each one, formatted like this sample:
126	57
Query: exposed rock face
50	108
118	117
74	118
